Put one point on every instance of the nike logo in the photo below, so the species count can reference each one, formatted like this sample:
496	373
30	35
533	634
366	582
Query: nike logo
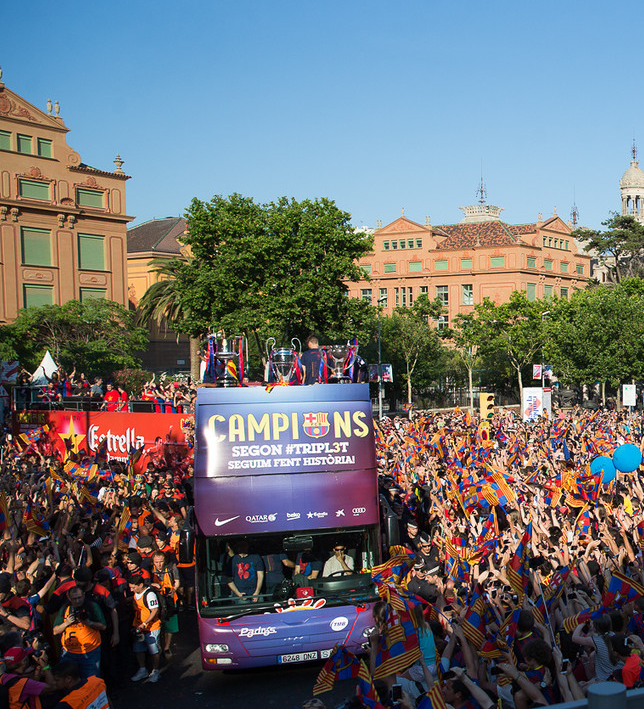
225	521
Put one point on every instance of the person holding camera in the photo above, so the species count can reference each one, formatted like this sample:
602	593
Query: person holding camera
146	628
165	580
80	624
26	676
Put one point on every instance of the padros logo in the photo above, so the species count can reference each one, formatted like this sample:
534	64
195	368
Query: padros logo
339	623
261	518
359	510
257	631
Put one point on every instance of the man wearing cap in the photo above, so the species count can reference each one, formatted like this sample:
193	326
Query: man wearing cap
134	562
409	536
25	681
418	584
428	553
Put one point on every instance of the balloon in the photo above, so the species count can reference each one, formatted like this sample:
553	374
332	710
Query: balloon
627	458
605	463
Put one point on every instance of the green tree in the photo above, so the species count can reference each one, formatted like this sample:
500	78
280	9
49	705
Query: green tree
620	248
410	337
598	335
269	270
515	328
468	335
96	336
162	303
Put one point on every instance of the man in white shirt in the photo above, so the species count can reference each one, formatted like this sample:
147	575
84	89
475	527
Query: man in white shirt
338	562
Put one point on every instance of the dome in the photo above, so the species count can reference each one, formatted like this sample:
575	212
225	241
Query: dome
633	177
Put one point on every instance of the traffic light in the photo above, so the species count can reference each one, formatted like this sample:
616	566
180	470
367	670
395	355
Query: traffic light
486	402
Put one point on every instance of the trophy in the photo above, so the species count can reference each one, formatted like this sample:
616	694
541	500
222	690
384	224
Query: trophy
226	352
341	358
283	362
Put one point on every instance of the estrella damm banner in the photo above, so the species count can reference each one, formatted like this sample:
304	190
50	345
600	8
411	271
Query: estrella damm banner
306	428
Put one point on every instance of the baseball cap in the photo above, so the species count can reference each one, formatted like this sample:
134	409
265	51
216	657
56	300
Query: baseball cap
424	538
15	655
82	575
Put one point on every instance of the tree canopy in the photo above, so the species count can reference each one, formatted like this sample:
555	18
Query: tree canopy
620	248
95	336
276	269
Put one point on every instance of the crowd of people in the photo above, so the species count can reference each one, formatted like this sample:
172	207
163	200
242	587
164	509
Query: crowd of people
518	581
165	395
91	589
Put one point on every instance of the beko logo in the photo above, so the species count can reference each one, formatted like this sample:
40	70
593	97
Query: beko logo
359	510
261	518
257	631
339	623
293	516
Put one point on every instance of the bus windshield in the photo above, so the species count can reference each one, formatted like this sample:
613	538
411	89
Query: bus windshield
335	563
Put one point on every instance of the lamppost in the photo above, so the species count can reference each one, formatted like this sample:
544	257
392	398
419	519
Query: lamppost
380	301
543	382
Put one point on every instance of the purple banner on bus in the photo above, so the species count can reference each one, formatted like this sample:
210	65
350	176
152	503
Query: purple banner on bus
317	428
318	470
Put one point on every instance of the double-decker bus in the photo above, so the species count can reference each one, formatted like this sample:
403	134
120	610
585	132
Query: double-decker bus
288	474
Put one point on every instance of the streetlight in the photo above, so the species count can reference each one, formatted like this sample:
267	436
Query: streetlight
380	301
543	382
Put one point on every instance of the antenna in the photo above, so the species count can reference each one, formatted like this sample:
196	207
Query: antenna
634	150
574	212
481	193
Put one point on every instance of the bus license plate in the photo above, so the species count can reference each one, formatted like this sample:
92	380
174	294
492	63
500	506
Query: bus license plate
299	657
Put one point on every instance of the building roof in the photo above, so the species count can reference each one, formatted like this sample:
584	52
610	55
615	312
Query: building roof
480	234
160	236
633	176
84	168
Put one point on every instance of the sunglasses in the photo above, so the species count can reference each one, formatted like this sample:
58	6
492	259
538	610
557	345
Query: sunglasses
339	549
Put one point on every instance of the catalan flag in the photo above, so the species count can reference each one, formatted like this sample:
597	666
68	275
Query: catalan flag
433	699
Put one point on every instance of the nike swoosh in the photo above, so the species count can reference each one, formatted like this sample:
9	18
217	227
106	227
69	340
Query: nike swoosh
225	521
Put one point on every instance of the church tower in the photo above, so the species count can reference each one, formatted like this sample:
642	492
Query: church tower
632	189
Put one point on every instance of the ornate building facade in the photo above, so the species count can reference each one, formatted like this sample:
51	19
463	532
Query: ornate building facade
461	264
63	224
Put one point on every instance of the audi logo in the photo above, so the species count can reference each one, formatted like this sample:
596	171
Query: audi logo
359	510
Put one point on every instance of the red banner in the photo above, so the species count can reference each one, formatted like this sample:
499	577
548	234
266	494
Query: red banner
162	436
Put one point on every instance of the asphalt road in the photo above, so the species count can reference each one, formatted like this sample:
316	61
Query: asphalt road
184	684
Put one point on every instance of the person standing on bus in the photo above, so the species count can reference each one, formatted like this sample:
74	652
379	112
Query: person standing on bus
248	573
311	360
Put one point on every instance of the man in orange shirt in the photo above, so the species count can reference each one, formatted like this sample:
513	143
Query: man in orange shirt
147	628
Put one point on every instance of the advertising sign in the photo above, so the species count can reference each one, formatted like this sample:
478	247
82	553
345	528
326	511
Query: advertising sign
288	458
532	405
161	435
629	395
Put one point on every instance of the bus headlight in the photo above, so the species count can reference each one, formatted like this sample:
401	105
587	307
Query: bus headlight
217	648
368	631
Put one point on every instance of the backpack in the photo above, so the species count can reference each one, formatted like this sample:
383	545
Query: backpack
167	607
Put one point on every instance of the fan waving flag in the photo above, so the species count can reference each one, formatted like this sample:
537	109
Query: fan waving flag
4	512
341	665
517	567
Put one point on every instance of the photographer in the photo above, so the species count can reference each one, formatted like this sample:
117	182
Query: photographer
27	676
80	624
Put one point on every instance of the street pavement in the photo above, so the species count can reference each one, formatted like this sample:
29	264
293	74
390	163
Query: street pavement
184	684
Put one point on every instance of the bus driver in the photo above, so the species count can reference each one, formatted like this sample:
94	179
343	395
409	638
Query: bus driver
339	562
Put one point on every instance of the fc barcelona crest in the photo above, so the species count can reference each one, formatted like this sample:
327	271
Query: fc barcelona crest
316	424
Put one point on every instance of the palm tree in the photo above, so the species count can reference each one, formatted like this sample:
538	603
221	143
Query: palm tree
162	303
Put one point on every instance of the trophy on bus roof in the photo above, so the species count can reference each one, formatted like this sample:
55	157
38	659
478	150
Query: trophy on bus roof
284	363
224	360
341	359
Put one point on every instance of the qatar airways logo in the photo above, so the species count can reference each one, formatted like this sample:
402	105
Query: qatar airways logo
262	518
115	442
257	631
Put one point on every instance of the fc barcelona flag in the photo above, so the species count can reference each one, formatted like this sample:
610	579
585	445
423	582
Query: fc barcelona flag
517	568
4	512
341	665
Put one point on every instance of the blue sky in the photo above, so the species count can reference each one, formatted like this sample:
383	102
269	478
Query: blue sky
376	105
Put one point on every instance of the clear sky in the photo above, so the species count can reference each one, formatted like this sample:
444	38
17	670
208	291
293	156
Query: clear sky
378	105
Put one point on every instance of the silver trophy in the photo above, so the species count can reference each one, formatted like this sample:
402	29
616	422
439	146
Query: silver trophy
282	361
340	358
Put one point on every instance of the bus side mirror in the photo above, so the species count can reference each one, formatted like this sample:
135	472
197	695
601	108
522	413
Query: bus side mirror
187	542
